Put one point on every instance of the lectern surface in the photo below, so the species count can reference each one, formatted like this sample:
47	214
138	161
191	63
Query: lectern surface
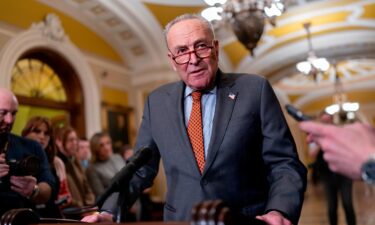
139	223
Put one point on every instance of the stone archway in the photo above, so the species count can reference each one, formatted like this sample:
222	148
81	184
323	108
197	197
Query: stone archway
49	34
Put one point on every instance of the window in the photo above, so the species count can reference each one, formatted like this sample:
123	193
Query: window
33	78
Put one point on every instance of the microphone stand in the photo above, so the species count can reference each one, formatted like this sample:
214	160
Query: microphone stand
121	183
122	205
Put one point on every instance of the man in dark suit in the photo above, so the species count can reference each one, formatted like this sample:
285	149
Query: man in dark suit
248	157
21	188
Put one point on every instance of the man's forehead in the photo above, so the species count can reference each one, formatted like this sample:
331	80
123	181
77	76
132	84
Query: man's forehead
8	103
187	32
6	96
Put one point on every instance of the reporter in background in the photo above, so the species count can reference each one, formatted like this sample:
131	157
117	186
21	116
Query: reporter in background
40	130
105	164
79	187
20	191
84	153
348	149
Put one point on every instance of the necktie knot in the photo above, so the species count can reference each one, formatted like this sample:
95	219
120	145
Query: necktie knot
196	95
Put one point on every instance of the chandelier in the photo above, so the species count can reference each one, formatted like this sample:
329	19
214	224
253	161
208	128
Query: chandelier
245	17
342	110
313	66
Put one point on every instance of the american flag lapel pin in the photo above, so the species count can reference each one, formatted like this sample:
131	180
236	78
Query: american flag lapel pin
232	96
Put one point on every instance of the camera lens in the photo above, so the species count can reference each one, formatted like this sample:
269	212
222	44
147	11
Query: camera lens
30	165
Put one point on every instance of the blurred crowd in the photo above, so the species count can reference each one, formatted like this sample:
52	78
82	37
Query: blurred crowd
68	174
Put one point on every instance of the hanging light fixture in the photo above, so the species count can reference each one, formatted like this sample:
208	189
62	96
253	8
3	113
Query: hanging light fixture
245	17
313	66
342	110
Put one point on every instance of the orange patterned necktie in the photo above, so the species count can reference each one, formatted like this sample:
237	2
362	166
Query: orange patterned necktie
195	129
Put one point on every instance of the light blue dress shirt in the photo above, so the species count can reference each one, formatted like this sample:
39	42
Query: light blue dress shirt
208	103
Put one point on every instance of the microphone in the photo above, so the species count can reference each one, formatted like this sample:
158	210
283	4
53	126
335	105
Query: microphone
122	178
296	114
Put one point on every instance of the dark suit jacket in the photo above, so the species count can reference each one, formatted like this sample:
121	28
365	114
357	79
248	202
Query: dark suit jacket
19	148
252	162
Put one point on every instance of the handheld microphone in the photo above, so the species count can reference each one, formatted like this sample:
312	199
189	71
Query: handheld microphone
296	114
122	178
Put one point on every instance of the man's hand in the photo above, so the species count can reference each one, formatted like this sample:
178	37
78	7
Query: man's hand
4	168
274	218
345	148
98	217
24	185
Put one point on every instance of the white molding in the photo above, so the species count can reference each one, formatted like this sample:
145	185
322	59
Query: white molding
293	52
321	93
148	30
8	29
163	75
134	17
39	37
105	63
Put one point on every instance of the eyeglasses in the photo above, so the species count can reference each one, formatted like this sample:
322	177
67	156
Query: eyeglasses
201	51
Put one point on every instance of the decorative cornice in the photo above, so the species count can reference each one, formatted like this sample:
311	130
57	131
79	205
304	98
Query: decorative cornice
51	28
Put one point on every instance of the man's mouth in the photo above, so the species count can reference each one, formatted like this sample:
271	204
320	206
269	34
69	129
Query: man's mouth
195	72
4	128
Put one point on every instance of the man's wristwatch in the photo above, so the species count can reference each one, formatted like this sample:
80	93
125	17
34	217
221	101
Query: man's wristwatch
368	170
35	192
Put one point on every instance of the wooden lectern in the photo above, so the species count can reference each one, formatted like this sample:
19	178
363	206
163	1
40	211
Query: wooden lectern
207	212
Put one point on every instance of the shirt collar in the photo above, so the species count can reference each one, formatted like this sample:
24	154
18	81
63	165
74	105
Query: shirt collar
189	90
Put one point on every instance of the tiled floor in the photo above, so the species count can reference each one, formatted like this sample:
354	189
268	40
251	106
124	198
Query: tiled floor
314	208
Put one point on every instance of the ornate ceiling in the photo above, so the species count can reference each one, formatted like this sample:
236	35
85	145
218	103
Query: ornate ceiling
129	32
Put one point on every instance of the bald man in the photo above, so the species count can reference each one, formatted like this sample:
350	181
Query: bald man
20	190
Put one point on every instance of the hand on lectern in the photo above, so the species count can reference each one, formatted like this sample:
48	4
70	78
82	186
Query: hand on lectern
98	217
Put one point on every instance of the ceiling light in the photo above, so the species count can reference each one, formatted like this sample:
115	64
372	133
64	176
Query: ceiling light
245	17
313	66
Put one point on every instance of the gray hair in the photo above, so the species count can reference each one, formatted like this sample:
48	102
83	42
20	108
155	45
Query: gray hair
188	16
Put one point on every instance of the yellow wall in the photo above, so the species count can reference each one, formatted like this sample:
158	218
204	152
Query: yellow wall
115	97
23	13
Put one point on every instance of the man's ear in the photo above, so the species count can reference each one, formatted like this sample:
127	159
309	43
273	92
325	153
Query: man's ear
216	44
172	61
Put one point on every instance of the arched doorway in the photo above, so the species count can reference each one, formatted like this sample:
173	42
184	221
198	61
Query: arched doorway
47	40
46	85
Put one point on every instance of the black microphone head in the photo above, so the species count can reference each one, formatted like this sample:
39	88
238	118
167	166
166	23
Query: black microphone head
296	113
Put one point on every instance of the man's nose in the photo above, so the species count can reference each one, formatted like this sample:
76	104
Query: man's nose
9	117
194	59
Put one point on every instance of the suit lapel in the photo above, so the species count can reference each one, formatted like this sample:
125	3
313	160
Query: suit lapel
225	102
176	114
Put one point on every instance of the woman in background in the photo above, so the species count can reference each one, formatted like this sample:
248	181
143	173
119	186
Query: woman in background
79	187
40	130
105	164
